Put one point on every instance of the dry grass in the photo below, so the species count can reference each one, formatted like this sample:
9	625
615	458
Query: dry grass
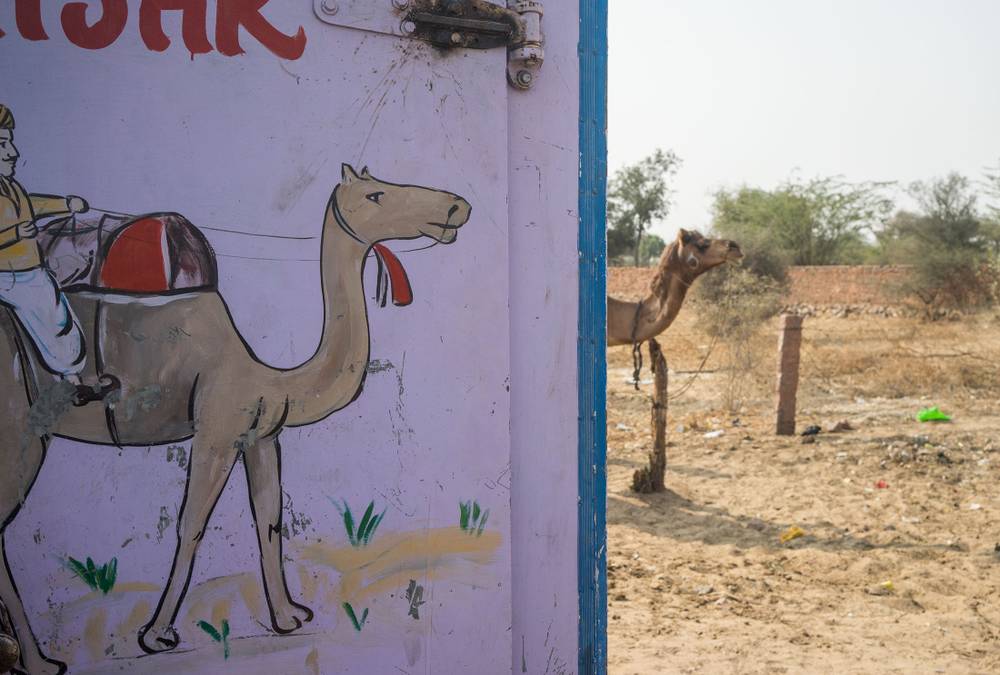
699	581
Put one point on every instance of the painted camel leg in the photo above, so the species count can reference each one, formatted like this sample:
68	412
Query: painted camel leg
32	660
211	462
18	470
263	467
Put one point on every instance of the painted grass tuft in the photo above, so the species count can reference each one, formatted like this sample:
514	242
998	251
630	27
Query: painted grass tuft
362	534
357	623
97	578
472	518
220	634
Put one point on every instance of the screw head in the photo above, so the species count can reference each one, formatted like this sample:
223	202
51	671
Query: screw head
330	7
409	27
456	38
525	78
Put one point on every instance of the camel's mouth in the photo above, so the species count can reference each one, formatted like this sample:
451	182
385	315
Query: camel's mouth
442	234
447	232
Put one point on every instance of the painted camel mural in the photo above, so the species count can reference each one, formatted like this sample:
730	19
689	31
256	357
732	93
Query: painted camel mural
184	364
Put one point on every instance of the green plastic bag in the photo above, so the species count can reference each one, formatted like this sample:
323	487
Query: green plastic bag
932	415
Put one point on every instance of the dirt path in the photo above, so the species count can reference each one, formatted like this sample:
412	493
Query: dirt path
897	579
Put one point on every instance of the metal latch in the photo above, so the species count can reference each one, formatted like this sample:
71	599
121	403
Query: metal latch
452	24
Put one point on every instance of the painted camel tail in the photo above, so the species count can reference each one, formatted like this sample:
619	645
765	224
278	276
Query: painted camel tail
223	397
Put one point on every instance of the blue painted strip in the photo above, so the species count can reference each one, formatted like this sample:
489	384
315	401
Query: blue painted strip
591	350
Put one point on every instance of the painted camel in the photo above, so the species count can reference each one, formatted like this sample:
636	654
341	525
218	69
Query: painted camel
214	391
686	259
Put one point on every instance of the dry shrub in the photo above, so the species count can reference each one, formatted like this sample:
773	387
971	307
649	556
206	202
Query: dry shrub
735	304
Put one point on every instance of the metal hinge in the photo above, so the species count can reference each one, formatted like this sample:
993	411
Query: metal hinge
452	24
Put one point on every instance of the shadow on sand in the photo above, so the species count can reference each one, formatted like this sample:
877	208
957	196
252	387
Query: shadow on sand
668	514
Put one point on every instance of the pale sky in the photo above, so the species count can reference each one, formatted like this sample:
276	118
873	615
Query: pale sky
750	91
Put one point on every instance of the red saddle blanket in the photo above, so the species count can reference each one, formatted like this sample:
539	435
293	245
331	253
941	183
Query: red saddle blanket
152	254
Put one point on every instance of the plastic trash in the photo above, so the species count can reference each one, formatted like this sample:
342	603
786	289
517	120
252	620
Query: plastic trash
881	485
715	434
794	532
884	588
932	415
811	430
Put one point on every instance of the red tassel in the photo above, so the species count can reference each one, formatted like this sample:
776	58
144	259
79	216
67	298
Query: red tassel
402	292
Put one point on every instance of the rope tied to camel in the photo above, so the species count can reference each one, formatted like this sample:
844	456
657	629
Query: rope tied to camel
636	348
637	351
636	345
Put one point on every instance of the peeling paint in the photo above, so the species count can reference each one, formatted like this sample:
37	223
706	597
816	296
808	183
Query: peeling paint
379	366
54	400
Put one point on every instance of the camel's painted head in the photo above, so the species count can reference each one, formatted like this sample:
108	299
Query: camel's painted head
700	254
373	211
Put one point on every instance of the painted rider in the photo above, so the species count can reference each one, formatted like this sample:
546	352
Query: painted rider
27	287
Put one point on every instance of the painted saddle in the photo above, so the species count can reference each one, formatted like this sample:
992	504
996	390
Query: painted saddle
155	254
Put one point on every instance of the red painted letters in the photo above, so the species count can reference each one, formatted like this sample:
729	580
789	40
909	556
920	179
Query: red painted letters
103	33
231	16
246	13
193	24
28	14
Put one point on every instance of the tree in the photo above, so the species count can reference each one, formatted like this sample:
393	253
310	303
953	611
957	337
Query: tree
638	194
991	225
650	249
818	222
992	177
946	243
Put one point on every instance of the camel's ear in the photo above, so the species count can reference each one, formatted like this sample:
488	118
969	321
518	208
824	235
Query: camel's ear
348	173
684	237
365	174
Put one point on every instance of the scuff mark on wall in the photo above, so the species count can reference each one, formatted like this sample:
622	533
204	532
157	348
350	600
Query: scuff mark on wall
379	366
397	415
52	403
415	596
413	647
178	451
162	524
297	521
142	400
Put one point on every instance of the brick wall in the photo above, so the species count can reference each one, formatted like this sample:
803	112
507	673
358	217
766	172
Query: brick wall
823	285
845	285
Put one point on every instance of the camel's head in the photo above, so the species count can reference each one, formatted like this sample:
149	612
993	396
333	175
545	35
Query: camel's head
700	254
374	211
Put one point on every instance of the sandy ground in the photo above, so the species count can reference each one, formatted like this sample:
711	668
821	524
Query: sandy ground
903	578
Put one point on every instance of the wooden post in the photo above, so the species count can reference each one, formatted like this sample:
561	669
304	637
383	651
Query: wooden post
789	345
653	477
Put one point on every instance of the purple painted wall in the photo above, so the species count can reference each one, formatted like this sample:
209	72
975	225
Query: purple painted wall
544	178
470	398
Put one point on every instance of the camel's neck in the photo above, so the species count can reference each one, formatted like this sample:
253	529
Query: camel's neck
662	304
333	376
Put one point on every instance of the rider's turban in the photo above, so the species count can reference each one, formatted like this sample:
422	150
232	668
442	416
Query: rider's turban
6	117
